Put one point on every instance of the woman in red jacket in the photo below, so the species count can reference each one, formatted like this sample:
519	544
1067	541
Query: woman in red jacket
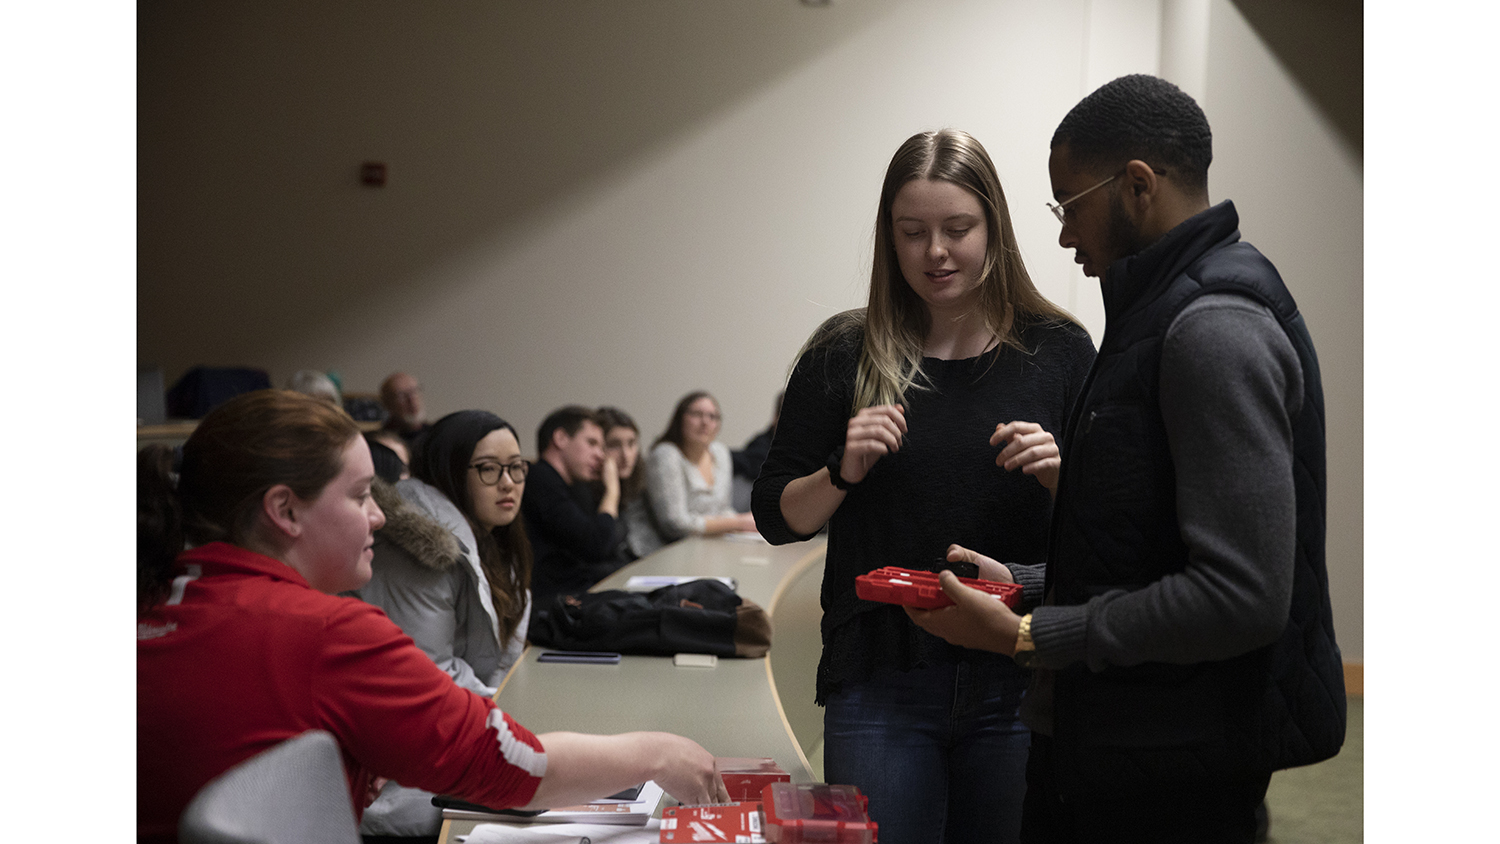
242	642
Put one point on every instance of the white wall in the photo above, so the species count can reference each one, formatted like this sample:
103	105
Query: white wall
618	202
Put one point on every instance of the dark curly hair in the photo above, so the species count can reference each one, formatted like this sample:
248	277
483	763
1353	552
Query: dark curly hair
1140	117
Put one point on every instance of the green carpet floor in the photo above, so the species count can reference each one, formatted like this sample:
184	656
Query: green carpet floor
1323	803
1318	804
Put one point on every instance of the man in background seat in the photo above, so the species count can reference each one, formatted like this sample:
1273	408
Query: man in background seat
402	397
573	536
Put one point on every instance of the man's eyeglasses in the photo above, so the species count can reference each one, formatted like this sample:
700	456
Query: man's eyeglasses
489	473
1059	209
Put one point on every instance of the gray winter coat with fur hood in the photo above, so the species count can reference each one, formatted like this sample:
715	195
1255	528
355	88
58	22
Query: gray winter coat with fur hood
428	580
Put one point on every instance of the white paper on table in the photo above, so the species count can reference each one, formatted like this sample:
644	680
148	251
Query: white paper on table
649	582
598	813
596	833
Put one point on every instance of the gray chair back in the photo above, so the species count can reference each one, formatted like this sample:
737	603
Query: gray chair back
295	792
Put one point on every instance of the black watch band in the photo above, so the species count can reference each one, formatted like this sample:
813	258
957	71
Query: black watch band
835	464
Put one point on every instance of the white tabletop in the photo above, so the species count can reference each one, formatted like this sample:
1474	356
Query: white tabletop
731	709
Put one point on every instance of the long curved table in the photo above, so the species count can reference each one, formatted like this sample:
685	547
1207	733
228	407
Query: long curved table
740	707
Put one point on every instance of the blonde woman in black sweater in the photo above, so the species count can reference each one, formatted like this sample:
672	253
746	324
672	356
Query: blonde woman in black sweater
921	428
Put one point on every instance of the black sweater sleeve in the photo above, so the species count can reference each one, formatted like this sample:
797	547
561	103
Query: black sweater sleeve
814	416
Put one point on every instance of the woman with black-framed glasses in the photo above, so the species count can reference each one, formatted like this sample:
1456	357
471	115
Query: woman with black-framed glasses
452	568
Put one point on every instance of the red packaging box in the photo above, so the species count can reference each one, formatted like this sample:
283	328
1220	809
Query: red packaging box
737	822
816	814
746	777
920	589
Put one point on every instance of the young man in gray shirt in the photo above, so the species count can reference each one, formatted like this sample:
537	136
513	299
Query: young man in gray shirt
1181	630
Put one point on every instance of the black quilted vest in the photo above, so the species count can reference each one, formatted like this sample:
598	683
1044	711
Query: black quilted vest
1115	526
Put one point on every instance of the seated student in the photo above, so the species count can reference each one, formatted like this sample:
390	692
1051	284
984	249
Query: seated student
392	440
687	480
451	568
315	383
622	444
401	396
241	642
390	456
573	535
748	460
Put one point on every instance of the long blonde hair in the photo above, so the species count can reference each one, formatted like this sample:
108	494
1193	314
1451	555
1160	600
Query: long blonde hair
895	321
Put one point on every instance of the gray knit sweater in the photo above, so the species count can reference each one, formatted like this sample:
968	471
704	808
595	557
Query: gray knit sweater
678	501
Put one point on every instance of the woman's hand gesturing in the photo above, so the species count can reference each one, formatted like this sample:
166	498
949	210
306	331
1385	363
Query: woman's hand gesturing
873	433
1030	449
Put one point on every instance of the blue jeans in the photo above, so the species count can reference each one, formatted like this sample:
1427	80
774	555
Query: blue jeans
939	751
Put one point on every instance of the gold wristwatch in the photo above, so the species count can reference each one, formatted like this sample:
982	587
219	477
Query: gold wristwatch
1025	655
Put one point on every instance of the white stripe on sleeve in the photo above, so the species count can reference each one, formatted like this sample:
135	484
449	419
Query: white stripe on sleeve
179	584
515	751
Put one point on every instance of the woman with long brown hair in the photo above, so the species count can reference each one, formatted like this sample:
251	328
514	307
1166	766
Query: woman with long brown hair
902	429
622	447
622	444
688	477
242	641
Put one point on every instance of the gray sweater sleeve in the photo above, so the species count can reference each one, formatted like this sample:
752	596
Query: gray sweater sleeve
1230	386
1031	579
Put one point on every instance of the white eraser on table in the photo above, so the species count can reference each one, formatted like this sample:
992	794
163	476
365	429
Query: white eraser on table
695	660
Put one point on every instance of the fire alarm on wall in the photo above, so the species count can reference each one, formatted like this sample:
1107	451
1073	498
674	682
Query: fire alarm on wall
372	173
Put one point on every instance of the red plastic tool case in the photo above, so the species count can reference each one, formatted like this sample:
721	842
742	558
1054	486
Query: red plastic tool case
803	813
920	589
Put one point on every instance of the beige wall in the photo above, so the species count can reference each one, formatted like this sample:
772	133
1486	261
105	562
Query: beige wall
618	202
1298	180
589	201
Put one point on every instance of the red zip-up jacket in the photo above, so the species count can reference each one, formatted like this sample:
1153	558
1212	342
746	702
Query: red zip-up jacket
245	654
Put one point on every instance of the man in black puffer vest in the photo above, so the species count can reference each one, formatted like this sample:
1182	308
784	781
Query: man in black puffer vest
1184	640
